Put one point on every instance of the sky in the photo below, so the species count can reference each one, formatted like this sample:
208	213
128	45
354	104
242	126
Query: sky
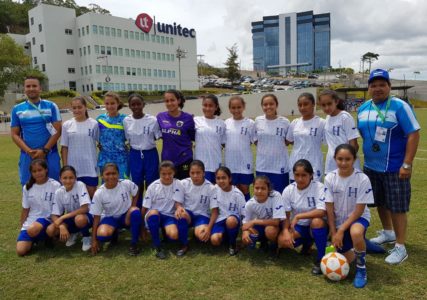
394	29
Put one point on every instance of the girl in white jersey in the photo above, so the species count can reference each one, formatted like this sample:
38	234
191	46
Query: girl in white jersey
200	208
38	196
340	127
272	153
142	131
263	214
239	135
210	133
348	191
304	202
306	135
78	144
70	212
231	203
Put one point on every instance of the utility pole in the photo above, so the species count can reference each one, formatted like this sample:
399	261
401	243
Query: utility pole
180	53
200	57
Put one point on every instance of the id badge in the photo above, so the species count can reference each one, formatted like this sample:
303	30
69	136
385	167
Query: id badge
380	134
50	128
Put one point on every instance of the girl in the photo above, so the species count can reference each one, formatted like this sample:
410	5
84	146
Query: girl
306	135
70	212
231	203
112	139
263	214
38	196
81	132
178	132
210	133
339	127
115	201
200	208
272	154
142	131
161	200
348	191
305	212
239	135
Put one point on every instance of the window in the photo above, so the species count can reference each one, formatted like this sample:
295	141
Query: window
127	71
138	53
137	35
153	38
110	70
122	71
149	72
33	40
135	86
133	71
138	71
142	54
87	29
148	55
164	73
83	31
84	51
80	50
169	74
159	57
150	87
162	39
71	51
115	51
173	74
171	40
35	60
155	87
68	31
43	67
116	70
117	86
88	50
105	86
132	53
95	29
40	27
167	40
96	49
159	73
32	21
155	72
123	87
101	30
108	50
129	86
78	30
107	31
81	70
157	39
168	57
86	70
144	72
99	86
104	69
91	86
120	51
41	48
119	33
102	49
131	35
139	86
71	70
154	55
98	69
163	56
142	36
90	70
172	57
113	31
126	34
83	88
127	52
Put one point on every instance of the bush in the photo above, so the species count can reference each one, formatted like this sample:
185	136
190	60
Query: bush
65	93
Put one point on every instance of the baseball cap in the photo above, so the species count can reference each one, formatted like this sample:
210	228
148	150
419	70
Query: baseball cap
379	73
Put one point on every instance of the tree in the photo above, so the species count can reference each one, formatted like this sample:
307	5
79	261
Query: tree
369	57
232	67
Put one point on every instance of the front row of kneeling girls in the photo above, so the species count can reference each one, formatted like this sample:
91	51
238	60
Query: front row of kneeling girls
300	216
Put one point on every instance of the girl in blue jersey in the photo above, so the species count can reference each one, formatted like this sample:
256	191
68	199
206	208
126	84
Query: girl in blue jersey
112	139
38	196
231	203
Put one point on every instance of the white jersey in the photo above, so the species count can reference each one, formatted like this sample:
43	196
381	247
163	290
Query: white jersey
81	138
239	135
39	199
307	137
346	192
272	208
142	133
272	152
66	202
302	201
210	135
163	197
339	129
230	203
199	199
114	202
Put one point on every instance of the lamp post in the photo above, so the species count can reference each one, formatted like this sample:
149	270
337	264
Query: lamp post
105	58
180	53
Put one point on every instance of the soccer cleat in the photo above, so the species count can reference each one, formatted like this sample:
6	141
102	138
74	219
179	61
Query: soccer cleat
360	279
160	253
232	251
374	248
133	250
397	256
384	237
316	269
182	251
71	240
87	243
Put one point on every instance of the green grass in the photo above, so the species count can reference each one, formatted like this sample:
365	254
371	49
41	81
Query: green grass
205	273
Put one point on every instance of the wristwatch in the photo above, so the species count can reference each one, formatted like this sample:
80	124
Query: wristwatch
406	166
45	151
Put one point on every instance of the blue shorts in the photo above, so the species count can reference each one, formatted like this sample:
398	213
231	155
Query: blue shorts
210	176
347	242
238	178
197	220
279	181
116	222
261	231
24	237
89	181
304	232
164	220
53	164
71	224
220	227
144	166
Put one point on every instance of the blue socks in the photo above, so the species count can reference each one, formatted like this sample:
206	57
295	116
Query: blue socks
153	222
320	239
103	239
183	231
360	259
135	225
232	235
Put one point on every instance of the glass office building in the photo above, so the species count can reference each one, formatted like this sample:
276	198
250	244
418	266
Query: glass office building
295	41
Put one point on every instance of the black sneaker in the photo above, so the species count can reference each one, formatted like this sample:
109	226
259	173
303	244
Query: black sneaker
316	270
232	251
133	250
182	251
160	253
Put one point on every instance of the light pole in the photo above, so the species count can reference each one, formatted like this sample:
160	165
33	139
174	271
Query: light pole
180	53
105	57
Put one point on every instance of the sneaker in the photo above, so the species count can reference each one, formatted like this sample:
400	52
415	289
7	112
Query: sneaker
182	251
316	270
71	240
87	243
397	256
384	237
232	251
374	248
160	253
133	250
360	279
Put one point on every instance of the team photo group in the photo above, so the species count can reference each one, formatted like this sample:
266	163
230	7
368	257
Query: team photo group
112	177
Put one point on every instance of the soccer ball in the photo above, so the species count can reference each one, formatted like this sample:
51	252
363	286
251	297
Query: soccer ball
334	266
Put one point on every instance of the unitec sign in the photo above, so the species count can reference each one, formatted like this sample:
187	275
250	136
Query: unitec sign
145	22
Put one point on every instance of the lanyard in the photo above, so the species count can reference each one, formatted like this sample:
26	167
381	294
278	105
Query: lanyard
38	109
380	114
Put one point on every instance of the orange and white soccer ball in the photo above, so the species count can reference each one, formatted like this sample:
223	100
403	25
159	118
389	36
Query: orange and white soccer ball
334	266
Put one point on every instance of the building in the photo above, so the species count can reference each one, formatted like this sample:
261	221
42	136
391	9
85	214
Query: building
298	42
102	52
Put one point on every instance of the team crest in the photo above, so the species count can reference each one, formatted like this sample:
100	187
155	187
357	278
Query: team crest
179	123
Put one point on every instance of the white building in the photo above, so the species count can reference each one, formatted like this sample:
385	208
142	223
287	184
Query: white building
102	52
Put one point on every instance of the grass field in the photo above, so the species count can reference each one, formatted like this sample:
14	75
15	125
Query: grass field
205	273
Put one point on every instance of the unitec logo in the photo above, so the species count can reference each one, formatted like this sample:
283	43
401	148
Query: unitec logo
145	22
